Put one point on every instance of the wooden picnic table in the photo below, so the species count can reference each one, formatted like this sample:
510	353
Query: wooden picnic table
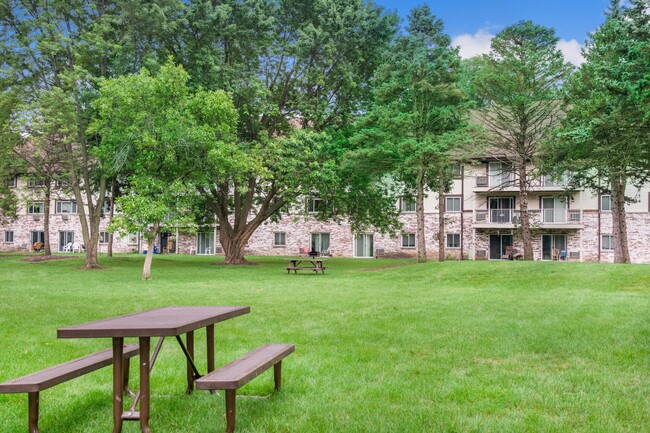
161	322
315	265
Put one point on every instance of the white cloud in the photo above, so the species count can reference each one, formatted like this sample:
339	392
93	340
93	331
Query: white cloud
479	43
473	45
571	51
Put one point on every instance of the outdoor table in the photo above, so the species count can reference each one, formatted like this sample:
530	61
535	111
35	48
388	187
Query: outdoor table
161	322
316	265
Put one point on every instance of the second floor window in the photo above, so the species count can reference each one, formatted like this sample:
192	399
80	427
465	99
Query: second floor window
36	208
315	204
12	181
606	202
67	206
452	204
406	204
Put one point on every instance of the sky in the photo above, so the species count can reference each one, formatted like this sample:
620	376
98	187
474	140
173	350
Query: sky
472	23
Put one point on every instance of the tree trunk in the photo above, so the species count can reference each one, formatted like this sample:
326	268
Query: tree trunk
151	240
419	211
619	223
526	234
109	248
441	215
46	219
234	244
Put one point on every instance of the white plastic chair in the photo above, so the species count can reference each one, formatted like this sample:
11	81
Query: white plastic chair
67	248
76	247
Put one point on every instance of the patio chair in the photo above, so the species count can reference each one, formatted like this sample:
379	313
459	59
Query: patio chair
76	247
37	246
67	248
555	254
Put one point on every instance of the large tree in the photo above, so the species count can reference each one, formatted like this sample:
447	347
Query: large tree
290	65
63	47
519	85
418	117
159	135
604	139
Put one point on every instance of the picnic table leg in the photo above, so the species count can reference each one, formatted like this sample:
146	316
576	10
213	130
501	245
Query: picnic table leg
145	385
189	341
33	412
118	384
209	335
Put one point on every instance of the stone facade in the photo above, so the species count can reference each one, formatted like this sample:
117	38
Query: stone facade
468	230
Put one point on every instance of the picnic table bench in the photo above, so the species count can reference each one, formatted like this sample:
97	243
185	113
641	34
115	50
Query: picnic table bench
316	265
239	372
34	383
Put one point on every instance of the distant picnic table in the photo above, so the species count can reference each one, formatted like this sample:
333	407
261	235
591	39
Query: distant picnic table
306	264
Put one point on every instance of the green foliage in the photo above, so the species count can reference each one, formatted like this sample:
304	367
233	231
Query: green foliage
160	135
606	132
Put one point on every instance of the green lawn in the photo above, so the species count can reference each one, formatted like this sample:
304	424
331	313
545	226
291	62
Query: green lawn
451	347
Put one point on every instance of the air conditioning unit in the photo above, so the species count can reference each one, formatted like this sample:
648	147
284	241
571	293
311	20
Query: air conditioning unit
64	217
36	217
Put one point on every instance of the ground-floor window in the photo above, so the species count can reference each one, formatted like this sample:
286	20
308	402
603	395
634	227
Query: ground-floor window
320	242
498	246
279	239
453	240
37	236
66	239
103	237
607	243
9	236
554	246
363	245
408	240
205	243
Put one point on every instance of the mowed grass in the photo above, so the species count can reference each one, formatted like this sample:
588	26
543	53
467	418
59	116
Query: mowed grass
441	347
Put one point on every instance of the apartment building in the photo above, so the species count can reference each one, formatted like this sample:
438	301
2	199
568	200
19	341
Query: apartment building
482	222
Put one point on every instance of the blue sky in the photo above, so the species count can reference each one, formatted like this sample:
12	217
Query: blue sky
472	23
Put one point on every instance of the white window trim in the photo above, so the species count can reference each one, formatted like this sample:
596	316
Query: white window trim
600	203
447	241
403	202
59	205
108	236
284	245
602	236
453	197
311	204
415	241
31	204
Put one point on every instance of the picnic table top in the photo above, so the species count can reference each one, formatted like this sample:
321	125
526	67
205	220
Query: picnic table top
160	322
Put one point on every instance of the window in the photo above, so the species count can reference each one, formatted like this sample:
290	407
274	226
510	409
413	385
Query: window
132	239
606	202
103	237
106	206
66	240
37	236
320	242
9	236
315	204
408	240
67	206
607	243
406	204
453	240
205	243
279	239
555	209
500	174
12	181
36	207
61	184
364	245
452	204
36	183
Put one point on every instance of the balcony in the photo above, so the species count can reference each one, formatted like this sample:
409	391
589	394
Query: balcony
511	218
509	184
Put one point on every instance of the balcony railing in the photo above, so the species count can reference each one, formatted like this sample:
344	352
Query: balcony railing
537	217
